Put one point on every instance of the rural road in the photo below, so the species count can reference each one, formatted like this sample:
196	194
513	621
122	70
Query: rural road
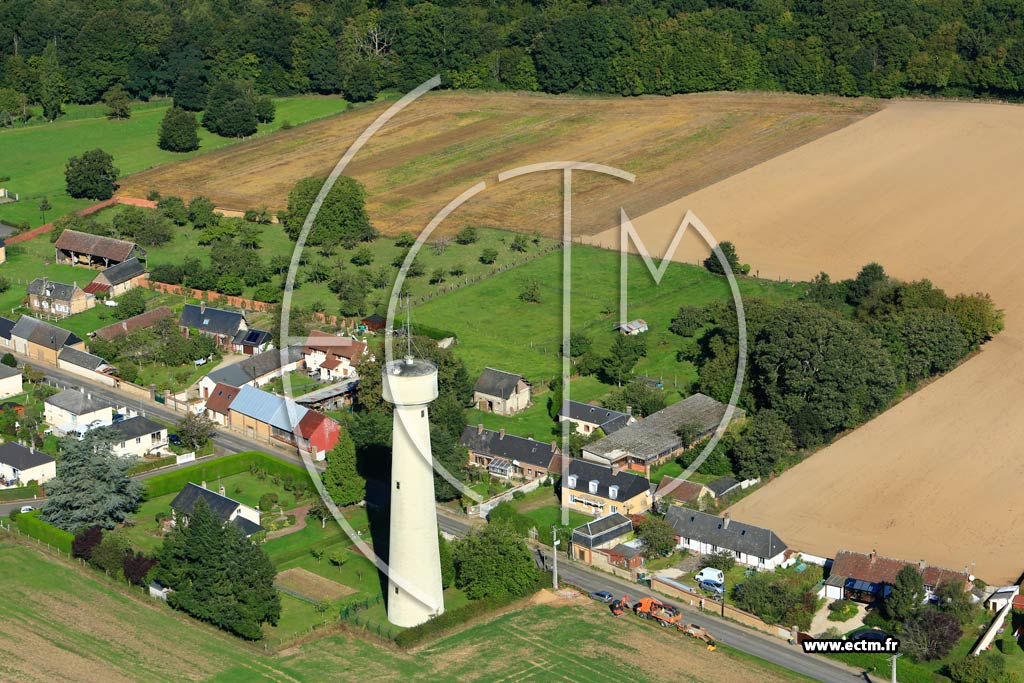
742	639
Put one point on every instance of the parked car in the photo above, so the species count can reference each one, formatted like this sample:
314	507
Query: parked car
870	635
174	439
712	587
711	574
603	596
27	508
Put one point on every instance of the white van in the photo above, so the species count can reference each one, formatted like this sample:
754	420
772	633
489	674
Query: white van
711	574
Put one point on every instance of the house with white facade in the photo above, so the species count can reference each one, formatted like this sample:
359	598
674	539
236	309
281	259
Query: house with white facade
704	534
20	465
223	508
254	371
74	410
334	357
10	381
138	436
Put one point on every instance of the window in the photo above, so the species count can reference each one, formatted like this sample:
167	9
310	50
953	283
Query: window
138	439
615	508
398	484
396	590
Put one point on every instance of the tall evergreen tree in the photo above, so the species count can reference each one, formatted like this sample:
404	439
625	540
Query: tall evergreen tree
341	478
190	91
218	575
92	487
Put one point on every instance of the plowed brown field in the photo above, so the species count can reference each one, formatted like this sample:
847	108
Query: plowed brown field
928	189
448	141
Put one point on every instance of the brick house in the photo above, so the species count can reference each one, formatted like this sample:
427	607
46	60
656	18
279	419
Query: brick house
56	300
504	455
502	393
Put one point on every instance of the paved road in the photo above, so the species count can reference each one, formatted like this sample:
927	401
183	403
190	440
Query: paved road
741	638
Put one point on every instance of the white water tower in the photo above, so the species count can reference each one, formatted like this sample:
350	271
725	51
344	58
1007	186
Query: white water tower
414	579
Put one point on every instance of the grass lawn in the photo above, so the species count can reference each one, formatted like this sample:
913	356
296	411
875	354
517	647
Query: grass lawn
299	382
672	468
35	156
534	422
551	515
77	619
496	328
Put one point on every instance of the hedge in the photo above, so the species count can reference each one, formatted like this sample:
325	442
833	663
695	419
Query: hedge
20	493
172	482
460	615
30	525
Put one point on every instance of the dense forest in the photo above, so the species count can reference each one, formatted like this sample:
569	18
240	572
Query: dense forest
76	50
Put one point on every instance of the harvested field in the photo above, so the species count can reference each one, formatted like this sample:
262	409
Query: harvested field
449	141
64	623
305	582
930	190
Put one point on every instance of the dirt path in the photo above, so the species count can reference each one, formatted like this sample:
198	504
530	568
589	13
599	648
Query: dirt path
930	190
300	522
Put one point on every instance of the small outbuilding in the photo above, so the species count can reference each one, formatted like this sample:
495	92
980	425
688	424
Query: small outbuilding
502	393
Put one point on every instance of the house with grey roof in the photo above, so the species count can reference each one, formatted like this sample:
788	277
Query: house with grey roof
658	437
6	325
118	279
40	341
138	436
500	392
589	418
599	490
599	534
229	329
21	464
86	365
255	370
10	381
509	456
57	300
227	510
703	533
74	410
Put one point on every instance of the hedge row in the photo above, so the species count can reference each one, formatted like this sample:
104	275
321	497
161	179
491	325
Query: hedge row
30	525
172	482
150	465
20	493
460	615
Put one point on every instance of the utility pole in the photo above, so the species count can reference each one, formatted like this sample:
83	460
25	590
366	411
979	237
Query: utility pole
893	661
554	557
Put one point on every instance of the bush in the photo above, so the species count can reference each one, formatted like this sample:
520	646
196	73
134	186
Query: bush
723	560
9	360
488	256
267	501
842	610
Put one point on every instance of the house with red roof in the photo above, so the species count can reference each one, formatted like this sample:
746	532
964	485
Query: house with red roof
334	357
867	577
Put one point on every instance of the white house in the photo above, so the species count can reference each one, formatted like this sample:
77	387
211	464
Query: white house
333	357
702	533
588	418
255	370
633	327
10	381
74	410
223	508
138	436
20	465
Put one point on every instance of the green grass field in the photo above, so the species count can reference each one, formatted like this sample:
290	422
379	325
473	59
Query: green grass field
62	622
34	156
496	328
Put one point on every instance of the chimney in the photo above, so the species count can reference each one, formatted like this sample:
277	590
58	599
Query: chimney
203	484
124	326
221	490
615	467
629	410
480	428
202	306
501	434
725	520
554	445
921	565
873	554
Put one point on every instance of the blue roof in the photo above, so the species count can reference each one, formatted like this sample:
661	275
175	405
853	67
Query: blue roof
272	409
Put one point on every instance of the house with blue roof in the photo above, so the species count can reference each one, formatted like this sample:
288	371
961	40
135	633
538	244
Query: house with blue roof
260	414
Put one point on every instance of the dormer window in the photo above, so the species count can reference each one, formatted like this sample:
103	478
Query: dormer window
613	492
593	484
572	481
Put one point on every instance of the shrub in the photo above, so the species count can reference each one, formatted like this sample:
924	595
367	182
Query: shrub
842	610
488	256
723	560
9	360
30	525
267	501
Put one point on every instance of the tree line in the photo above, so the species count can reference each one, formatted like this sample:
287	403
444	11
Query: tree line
56	52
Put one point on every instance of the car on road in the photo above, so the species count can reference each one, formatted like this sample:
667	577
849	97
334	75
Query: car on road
603	596
27	508
712	587
174	439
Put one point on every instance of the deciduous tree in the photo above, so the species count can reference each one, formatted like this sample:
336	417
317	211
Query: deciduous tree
91	175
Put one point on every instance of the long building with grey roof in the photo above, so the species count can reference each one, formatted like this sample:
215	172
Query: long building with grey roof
652	441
